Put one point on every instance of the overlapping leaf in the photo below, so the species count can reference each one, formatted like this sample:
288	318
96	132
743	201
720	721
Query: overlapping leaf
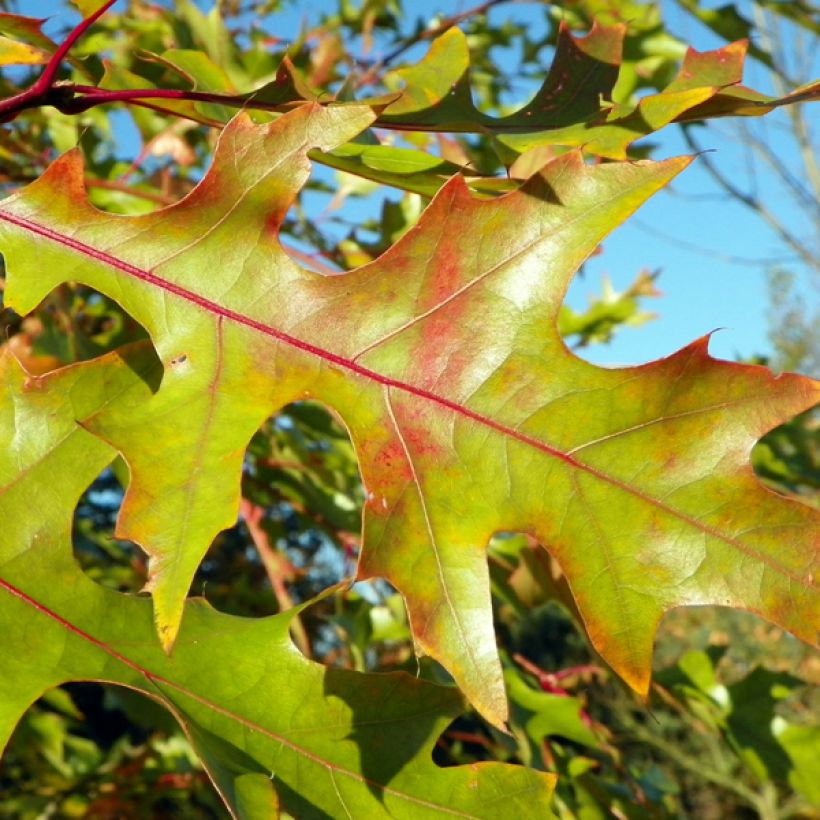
22	41
271	727
468	414
574	105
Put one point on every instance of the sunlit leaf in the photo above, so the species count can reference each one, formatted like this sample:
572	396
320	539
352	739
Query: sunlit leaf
468	414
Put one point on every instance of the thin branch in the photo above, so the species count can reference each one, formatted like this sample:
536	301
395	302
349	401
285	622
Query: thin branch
44	88
53	66
753	203
693	765
427	34
311	260
801	135
277	567
694	247
785	173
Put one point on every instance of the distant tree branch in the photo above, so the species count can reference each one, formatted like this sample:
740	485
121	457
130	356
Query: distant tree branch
427	34
752	202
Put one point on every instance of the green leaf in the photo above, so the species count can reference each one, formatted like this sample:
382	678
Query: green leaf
468	414
749	724
545	715
403	168
270	726
437	95
694	94
802	745
574	105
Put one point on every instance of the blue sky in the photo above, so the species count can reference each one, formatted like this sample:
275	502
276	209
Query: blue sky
691	232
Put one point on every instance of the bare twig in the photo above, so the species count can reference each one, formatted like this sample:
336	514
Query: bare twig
695	247
782	85
789	179
44	91
277	567
426	34
753	203
693	765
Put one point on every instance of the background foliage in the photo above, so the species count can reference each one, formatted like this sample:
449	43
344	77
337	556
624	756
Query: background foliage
729	730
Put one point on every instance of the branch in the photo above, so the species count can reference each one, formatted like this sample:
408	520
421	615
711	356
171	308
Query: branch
788	178
427	34
753	203
692	764
44	91
800	131
696	247
278	569
74	98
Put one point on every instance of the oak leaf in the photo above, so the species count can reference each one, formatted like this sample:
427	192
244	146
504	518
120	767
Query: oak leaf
468	414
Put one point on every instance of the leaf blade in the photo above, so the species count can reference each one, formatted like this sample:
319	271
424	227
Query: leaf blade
444	360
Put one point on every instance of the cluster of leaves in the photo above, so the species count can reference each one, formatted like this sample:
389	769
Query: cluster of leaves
170	310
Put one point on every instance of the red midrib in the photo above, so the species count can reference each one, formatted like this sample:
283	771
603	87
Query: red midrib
234	316
347	364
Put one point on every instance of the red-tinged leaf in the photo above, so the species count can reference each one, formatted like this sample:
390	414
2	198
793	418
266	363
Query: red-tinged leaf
271	728
740	101
573	107
719	68
468	414
707	86
23	42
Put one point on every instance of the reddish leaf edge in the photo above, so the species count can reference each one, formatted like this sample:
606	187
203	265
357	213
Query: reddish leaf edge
72	98
639	682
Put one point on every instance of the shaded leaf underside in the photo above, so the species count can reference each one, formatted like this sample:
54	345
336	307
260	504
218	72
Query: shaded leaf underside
468	414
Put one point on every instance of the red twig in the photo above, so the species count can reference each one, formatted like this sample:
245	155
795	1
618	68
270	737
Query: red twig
44	92
278	569
550	681
52	67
